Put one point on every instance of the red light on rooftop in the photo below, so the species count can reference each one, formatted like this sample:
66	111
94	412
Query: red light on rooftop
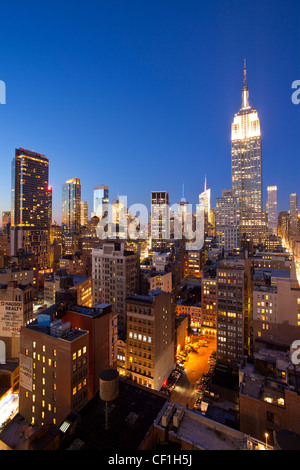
49	188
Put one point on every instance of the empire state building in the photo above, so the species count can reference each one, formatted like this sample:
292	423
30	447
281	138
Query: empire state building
246	170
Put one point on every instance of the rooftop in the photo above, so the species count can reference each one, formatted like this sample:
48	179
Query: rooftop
57	329
149	299
201	433
130	417
100	309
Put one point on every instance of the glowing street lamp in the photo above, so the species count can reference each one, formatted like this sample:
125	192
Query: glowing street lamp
266	436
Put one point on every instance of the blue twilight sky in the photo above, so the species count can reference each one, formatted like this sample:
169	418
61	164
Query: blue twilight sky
140	95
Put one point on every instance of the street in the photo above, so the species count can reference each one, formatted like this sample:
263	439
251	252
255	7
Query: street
196	364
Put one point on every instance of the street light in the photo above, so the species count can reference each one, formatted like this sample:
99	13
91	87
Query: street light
266	436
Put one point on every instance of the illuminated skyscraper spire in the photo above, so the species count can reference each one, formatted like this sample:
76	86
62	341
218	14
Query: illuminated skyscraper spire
246	168
245	96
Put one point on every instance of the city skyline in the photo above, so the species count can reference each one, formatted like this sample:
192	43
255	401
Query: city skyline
161	122
150	239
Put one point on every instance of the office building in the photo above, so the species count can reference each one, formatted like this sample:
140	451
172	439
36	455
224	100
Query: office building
293	213
118	218
160	280
115	273
234	337
181	219
227	220
272	209
269	404
101	201
71	198
101	322
20	276
4	249
193	262
204	199
83	213
160	220
209	302
31	206
284	227
6	220
246	169
53	370
150	338
276	309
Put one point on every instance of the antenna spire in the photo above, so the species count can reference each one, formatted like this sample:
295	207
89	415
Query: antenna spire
245	94
245	74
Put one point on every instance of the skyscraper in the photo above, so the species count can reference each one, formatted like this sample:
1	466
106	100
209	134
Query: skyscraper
293	213
272	209
71	198
101	200
160	220
228	221
83	213
204	199
31	206
115	273
246	168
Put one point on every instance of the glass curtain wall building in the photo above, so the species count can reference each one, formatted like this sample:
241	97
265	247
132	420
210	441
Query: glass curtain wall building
71	198
31	206
101	200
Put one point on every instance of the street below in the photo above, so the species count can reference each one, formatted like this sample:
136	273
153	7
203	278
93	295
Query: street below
196	364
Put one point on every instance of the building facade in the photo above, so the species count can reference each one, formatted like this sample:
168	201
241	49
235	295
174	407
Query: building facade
160	220
101	200
246	169
150	338
53	371
71	198
31	206
115	273
233	311
227	220
293	213
101	322
272	209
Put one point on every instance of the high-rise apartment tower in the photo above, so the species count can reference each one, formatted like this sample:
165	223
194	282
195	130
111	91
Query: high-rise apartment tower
31	205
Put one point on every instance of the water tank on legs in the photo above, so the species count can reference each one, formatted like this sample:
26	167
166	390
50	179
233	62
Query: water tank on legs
109	385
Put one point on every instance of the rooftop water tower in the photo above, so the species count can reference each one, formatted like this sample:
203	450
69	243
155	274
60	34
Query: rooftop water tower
108	388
